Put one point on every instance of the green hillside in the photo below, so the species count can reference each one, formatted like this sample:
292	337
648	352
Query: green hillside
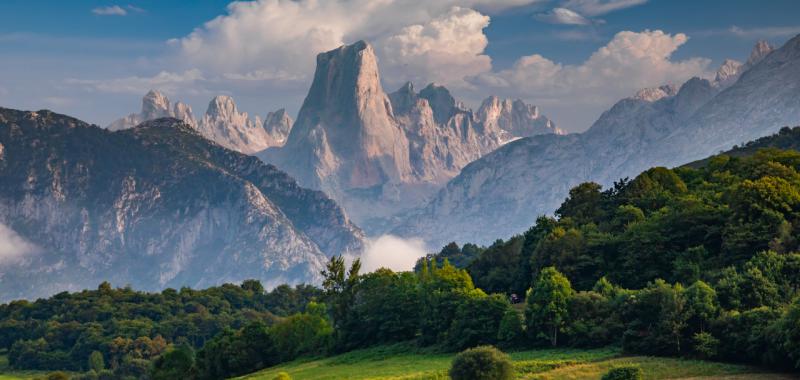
396	362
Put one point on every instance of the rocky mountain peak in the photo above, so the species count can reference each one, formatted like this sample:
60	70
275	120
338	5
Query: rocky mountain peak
184	112
345	135
760	50
222	122
222	107
345	77
728	72
513	118
278	124
653	94
440	100
155	104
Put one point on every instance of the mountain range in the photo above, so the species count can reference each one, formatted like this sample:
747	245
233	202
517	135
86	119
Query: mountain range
161	198
153	206
379	154
222	122
503	192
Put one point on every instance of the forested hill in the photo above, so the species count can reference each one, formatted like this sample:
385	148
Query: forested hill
786	138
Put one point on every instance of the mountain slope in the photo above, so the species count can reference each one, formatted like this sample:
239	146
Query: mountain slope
153	206
503	192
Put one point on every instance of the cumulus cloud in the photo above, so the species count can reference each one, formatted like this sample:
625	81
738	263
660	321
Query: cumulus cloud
12	246
562	16
165	80
437	40
112	10
392	252
273	44
630	61
445	49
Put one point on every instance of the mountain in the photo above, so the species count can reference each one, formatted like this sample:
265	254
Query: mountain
155	105
153	206
507	189
378	154
222	122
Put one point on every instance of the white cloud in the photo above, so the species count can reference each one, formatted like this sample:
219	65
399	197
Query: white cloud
764	32
630	61
113	10
413	39
273	44
12	246
135	8
392	252
165	81
445	49
600	7
563	16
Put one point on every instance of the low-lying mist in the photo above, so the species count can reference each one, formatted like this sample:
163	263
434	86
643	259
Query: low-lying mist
12	246
392	252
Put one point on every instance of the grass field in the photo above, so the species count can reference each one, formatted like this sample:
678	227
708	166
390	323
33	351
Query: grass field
7	374
408	363
405	362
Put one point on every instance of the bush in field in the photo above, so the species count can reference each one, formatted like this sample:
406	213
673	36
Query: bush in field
624	373
282	376
484	362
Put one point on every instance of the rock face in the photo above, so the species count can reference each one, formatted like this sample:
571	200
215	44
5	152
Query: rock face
514	118
225	125
153	206
380	154
278	124
503	192
222	122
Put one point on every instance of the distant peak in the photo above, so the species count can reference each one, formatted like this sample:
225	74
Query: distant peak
728	72
155	104
760	50
653	94
222	106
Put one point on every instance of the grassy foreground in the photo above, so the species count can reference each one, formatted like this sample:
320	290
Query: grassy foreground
9	374
409	363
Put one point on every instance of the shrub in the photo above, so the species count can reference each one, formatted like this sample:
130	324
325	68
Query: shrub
705	345
282	376
484	362
96	361
624	373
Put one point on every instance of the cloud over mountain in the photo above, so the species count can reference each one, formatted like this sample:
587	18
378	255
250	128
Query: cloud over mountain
629	61
12	246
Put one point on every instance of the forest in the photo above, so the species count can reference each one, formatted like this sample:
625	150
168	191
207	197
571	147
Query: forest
699	261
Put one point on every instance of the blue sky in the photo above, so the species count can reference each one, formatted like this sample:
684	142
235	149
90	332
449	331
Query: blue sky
94	59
